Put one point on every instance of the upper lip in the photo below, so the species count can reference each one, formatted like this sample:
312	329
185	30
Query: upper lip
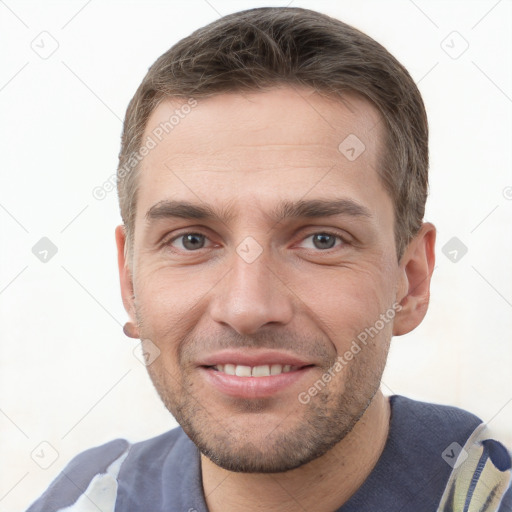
252	358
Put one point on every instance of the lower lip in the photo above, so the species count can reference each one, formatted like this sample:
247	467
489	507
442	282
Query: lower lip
252	387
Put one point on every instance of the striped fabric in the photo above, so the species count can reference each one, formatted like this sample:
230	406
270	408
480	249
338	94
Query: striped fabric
481	480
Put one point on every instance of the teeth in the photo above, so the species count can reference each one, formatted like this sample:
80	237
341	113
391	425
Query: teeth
261	371
254	371
228	368
242	371
276	369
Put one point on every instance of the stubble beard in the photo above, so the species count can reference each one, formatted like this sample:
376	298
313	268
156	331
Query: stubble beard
301	436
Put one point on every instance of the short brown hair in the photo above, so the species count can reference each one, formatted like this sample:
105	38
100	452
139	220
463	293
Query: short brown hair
259	48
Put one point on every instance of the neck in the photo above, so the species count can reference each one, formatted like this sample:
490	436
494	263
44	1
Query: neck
323	484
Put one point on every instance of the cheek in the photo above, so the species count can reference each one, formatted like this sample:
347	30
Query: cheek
344	302
167	306
170	292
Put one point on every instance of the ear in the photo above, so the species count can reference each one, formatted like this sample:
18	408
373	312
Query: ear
125	274
416	270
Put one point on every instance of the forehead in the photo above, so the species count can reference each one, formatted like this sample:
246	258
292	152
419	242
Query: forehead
299	117
282	142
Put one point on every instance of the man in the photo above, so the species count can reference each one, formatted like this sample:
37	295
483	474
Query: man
272	181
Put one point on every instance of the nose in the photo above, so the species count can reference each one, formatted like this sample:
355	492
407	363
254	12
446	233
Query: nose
250	296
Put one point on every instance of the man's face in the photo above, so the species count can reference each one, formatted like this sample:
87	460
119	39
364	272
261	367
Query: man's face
261	285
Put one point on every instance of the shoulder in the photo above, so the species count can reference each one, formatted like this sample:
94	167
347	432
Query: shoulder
424	430
481	478
420	432
426	415
412	472
82	472
475	465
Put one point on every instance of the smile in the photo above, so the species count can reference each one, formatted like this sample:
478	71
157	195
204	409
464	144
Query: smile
264	370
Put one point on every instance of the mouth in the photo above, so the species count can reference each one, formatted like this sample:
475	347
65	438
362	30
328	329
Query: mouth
265	370
252	382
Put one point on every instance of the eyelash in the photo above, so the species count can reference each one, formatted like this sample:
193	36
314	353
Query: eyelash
329	233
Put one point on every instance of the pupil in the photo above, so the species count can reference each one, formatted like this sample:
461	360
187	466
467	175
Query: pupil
322	239
190	241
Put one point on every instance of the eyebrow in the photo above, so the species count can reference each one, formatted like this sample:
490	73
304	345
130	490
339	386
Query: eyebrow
284	210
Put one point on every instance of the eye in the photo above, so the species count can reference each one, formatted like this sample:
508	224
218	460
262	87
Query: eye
324	240
189	241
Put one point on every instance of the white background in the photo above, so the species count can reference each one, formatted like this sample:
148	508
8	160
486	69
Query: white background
68	374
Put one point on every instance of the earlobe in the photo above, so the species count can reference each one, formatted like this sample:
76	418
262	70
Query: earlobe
416	268
125	276
131	330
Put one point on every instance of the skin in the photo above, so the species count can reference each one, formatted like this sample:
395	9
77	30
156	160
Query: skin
249	152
